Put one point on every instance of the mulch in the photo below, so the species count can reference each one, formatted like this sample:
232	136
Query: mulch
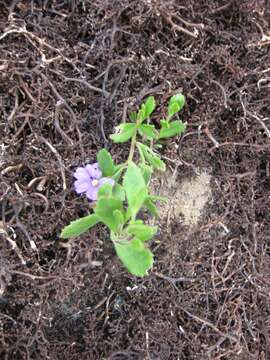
71	70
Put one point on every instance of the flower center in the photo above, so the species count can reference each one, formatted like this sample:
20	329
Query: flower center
95	182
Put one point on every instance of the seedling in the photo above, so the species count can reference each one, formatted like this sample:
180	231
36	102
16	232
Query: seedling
121	191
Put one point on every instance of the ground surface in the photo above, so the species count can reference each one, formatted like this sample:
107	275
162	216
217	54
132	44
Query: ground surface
70	71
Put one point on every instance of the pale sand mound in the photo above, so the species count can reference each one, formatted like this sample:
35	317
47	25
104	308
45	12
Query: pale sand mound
186	199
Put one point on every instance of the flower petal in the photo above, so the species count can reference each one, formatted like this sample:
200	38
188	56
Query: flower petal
94	171
82	186
105	180
81	174
92	193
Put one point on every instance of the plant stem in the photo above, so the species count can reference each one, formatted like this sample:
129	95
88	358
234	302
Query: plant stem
132	147
133	142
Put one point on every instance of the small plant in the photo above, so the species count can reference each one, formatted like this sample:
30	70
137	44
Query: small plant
121	191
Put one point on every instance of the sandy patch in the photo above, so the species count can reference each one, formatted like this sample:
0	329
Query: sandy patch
186	199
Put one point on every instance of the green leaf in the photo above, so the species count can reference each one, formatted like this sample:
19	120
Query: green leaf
123	132
146	109
148	130
142	231
118	172
78	227
176	103
141	114
141	154
153	159
156	162
104	210
105	190
146	172
135	256
172	129
165	123
150	106
173	109
105	163
133	116
119	218
119	192
178	98
151	207
135	188
136	222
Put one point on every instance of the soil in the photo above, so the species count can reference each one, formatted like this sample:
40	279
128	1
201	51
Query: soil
71	70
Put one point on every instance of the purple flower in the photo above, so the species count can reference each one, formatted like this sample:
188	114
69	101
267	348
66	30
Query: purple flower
89	180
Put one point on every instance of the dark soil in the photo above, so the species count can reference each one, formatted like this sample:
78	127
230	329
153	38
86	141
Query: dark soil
70	71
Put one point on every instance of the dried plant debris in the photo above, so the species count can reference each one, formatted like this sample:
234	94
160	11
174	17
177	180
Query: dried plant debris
71	71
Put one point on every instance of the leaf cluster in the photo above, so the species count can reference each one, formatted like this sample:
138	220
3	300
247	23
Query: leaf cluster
126	131
118	207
